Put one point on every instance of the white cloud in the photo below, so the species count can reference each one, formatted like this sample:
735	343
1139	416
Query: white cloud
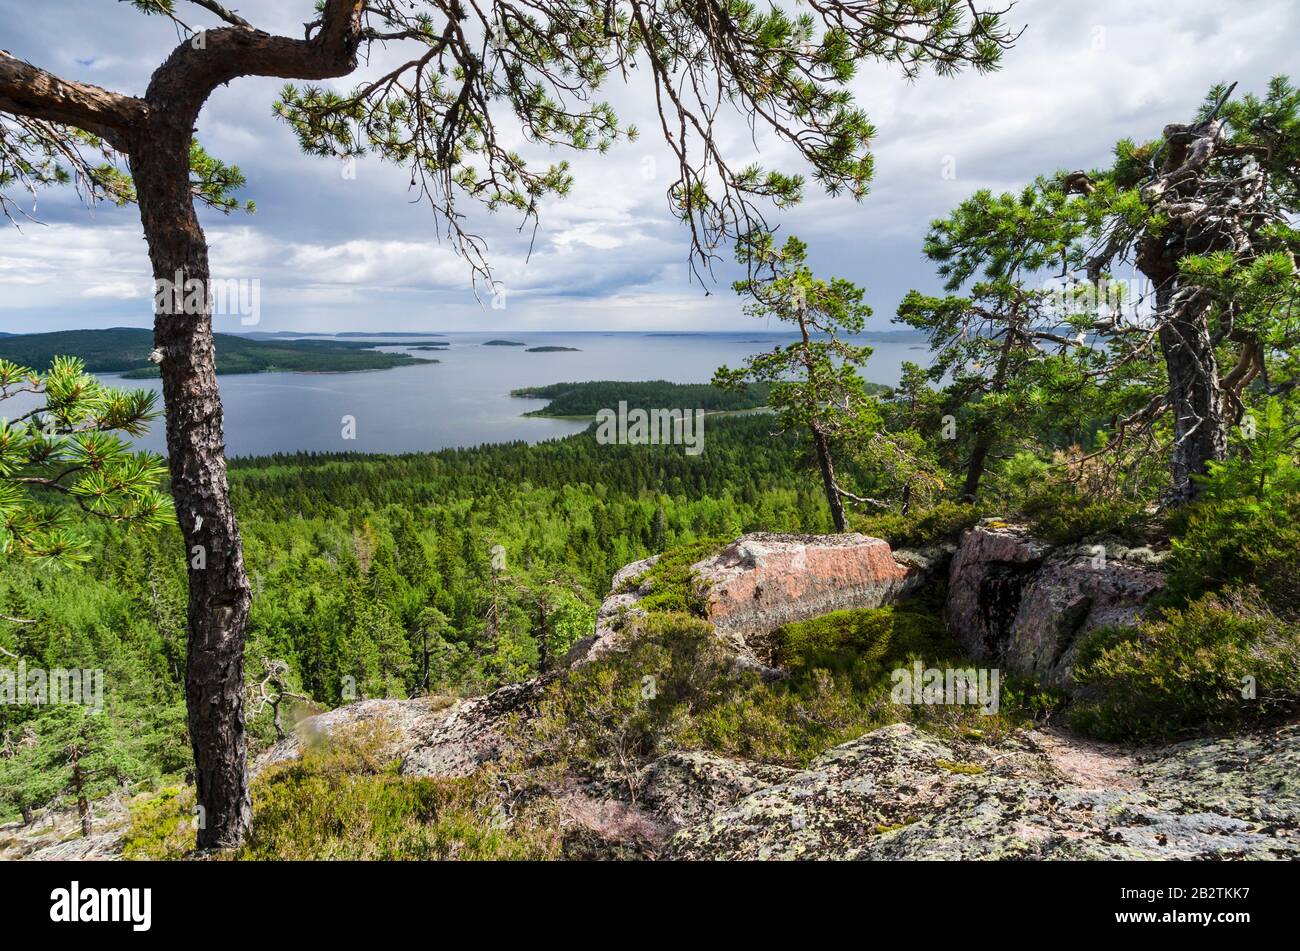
339	253
117	290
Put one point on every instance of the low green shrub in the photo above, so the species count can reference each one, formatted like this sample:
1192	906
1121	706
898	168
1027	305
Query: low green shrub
673	588
857	640
1239	542
162	825
344	799
607	718
790	722
676	685
1224	661
1062	516
943	521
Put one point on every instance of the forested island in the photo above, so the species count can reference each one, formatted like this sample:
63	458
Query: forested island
126	350
588	399
552	349
503	343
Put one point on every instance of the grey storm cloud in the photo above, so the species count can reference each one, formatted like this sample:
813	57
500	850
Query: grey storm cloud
336	253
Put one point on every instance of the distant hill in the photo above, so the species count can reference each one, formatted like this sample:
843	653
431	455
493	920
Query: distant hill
387	333
272	334
126	350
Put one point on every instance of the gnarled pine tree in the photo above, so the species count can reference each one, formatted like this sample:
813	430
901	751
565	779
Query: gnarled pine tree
1204	215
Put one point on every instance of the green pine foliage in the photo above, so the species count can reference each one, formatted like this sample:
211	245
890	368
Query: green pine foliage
69	454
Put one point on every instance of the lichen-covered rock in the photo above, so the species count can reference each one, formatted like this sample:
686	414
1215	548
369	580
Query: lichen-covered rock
55	835
431	736
1255	777
899	793
102	846
686	787
410	721
681	788
474	731
1016	601
625	590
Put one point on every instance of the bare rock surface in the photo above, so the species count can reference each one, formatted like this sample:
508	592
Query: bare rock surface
410	721
900	793
432	736
686	787
679	789
628	587
1017	602
474	731
55	835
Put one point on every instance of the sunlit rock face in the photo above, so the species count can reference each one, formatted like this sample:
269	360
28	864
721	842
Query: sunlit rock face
762	581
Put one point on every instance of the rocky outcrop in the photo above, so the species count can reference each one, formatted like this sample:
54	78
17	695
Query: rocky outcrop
474	732
55	835
677	790
762	581
900	793
688	786
1019	603
409	721
627	588
431	736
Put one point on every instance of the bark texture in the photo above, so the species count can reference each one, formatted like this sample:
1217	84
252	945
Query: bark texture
1201	419
219	592
1195	396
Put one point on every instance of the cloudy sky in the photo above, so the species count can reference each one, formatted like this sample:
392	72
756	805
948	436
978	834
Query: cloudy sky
337	253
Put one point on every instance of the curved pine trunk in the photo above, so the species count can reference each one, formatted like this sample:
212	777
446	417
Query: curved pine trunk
219	593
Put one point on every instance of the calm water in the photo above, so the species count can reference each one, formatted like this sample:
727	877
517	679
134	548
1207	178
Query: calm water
464	400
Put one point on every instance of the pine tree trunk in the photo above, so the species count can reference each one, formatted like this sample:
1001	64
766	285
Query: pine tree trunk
424	649
1201	419
975	468
543	647
79	788
828	480
219	592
